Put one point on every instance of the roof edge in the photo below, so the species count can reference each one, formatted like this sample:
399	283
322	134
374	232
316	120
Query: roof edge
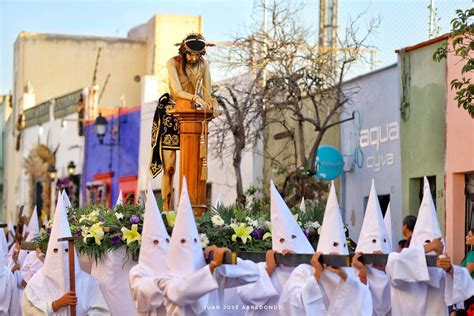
423	44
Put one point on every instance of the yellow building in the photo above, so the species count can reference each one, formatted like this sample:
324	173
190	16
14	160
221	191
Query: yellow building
47	66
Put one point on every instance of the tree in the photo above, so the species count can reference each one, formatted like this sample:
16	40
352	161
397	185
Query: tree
235	130
294	89
462	45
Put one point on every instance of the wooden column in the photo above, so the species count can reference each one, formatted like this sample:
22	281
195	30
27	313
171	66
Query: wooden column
190	163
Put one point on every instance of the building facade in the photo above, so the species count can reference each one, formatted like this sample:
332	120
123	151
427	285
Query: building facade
112	166
370	145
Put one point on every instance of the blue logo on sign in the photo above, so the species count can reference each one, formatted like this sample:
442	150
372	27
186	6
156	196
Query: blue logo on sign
329	163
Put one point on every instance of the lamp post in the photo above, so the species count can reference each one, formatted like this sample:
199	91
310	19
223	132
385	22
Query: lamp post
71	168
52	172
100	127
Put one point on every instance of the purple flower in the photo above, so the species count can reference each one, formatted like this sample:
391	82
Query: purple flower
256	234
134	219
102	218
48	230
78	231
115	240
72	217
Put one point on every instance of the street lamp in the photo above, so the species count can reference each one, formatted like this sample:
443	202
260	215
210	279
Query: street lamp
52	172
100	127
71	168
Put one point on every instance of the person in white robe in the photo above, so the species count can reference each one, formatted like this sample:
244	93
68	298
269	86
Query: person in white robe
320	290
33	231
190	287
420	290
33	262
154	245
112	274
387	220
48	291
373	238
262	297
4	244
9	298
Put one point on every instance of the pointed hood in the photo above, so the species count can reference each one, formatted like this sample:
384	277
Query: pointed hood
373	236
286	233
185	255
427	225
302	205
218	202
155	239
33	231
388	227
56	263
332	238
67	202
33	226
119	199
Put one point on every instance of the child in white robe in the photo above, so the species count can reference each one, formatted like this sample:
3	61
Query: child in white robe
47	293
317	290
9	298
146	295
262	297
420	290
190	287
374	238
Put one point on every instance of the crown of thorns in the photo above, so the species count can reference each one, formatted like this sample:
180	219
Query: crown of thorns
194	43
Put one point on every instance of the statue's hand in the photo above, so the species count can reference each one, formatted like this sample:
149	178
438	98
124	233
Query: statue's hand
202	103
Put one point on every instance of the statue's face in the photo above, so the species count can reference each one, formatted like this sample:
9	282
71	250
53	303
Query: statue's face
192	58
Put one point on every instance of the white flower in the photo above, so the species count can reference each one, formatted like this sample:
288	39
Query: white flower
119	216
251	222
204	240
319	230
217	221
309	226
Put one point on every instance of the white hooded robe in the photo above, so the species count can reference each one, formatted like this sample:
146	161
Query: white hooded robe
52	281
330	295
189	287
415	288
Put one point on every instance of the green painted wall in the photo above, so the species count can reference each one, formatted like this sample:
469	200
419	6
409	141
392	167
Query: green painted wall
422	129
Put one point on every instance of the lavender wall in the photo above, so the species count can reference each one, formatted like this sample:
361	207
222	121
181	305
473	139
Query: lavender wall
120	159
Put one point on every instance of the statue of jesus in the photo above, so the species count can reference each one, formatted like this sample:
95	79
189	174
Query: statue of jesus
189	78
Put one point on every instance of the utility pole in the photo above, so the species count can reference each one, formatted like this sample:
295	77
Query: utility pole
328	11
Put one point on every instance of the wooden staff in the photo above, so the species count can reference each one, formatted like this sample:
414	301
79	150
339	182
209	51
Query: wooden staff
72	268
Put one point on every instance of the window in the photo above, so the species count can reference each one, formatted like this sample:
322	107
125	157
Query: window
384	199
415	193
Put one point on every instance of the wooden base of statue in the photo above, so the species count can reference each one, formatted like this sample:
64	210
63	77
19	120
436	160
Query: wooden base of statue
190	163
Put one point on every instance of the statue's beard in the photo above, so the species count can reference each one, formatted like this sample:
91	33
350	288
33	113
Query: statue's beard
192	62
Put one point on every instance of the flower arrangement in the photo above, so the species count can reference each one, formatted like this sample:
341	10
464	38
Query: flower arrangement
237	227
102	230
249	229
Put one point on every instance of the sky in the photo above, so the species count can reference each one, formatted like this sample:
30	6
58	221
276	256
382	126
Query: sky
402	22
